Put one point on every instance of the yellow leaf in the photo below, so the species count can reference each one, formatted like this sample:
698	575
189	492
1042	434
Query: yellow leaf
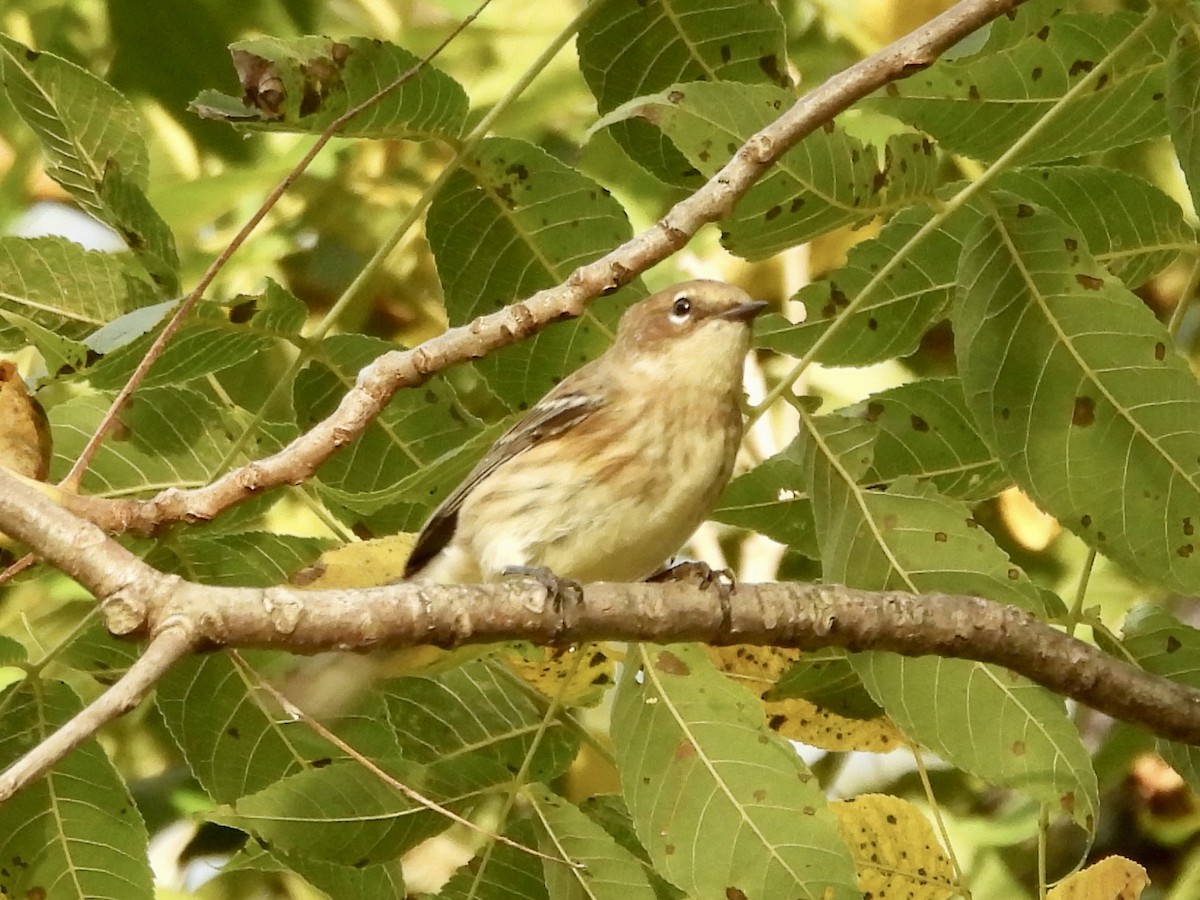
1113	878
590	668
361	564
894	848
797	719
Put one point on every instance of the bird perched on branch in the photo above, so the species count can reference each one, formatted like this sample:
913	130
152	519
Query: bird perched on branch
610	472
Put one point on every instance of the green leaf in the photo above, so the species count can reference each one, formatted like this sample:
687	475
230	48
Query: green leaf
215	339
390	461
477	712
128	211
827	678
890	540
629	50
231	741
75	832
507	873
989	722
610	813
925	430
1131	227
346	814
1183	102
62	287
97	653
980	106
346	882
900	308
304	83
828	180
980	718
82	123
723	805
1077	388
238	559
514	221
602	867
1164	646
59	353
772	499
168	437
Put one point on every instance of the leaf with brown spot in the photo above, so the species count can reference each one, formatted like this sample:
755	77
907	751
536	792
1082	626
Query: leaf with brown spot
1042	331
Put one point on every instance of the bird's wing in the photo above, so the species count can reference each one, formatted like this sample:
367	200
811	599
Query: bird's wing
554	414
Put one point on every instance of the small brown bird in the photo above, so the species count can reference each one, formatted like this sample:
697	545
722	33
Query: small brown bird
610	472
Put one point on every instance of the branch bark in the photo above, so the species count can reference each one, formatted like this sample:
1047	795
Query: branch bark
178	615
409	368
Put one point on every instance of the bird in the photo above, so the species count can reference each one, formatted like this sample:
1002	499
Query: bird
608	474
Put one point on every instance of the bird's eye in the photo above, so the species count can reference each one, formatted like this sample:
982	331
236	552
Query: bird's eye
680	310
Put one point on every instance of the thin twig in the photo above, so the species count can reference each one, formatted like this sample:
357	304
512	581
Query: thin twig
166	648
75	475
416	797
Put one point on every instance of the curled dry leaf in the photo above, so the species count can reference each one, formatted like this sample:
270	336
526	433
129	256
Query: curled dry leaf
24	429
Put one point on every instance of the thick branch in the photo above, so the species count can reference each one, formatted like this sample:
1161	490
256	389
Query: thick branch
715	199
177	615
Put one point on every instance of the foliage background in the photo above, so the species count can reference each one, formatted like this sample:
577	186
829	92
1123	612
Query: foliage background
1000	248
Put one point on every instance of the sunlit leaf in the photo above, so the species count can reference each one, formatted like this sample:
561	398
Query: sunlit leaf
720	803
981	105
1077	388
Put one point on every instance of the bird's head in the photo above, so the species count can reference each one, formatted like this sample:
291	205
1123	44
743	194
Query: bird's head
697	332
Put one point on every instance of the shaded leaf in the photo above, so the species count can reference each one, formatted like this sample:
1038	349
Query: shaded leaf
507	873
231	741
980	718
630	50
899	309
402	454
604	869
1164	646
344	813
62	287
1130	226
477	713
82	123
925	430
75	832
1183	103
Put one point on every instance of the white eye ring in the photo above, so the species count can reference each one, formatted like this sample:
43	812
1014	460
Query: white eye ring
681	309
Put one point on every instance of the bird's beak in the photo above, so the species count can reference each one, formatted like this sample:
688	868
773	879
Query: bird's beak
745	312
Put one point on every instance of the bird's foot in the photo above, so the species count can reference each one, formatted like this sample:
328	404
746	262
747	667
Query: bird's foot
703	576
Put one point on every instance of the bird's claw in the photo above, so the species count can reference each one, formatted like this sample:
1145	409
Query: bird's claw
704	576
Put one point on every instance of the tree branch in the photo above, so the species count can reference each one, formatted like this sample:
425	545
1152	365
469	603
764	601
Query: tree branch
178	615
378	381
